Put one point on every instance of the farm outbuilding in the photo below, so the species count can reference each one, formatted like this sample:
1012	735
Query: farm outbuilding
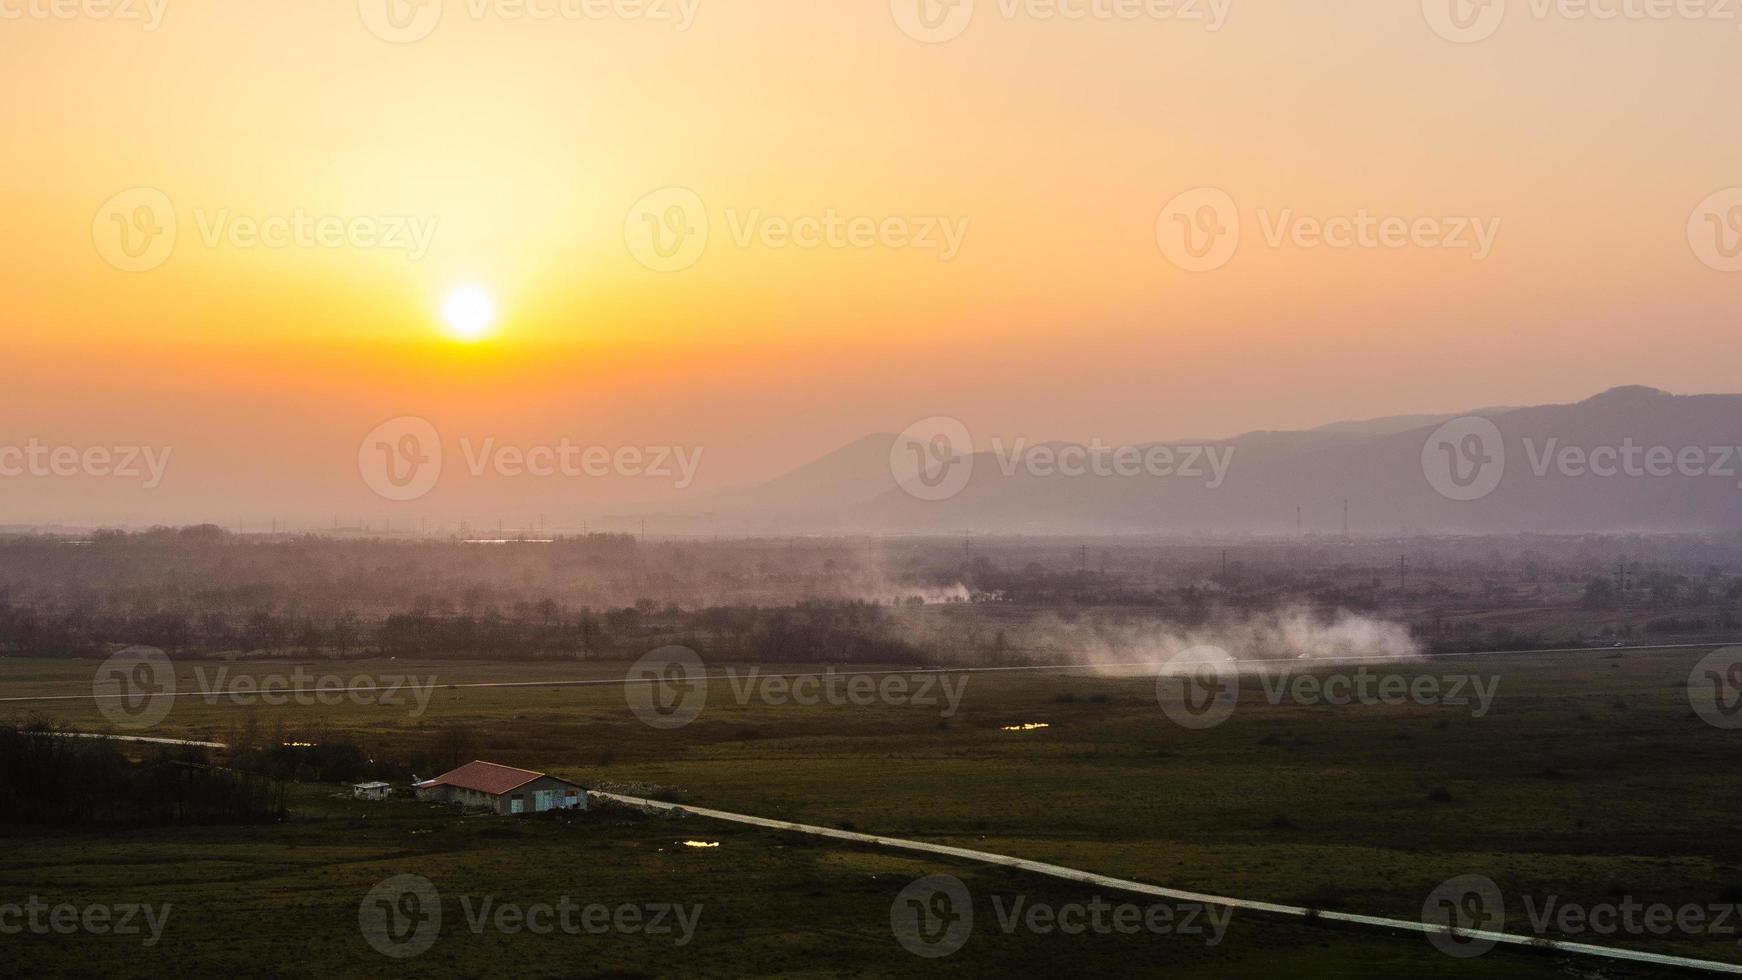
372	791
504	789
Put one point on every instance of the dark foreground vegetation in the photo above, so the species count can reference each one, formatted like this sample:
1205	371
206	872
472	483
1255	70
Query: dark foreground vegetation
51	778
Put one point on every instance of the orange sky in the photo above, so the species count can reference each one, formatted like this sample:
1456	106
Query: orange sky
526	145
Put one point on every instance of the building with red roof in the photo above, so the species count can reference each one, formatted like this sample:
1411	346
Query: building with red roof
504	789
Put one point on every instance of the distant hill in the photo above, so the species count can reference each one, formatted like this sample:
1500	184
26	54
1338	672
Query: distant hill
1544	483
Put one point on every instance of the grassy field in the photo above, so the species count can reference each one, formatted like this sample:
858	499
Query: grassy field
1589	779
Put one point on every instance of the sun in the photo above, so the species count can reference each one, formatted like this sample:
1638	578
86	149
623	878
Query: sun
470	313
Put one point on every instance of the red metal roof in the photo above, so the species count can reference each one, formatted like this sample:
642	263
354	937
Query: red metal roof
485	777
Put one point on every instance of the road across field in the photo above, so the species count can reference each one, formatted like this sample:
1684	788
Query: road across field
1137	887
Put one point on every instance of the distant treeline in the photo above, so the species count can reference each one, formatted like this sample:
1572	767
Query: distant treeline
203	592
53	779
808	632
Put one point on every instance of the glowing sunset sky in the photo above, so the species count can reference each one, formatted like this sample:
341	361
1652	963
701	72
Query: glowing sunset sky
525	147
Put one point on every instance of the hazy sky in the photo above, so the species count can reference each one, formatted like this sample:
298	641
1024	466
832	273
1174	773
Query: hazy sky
996	258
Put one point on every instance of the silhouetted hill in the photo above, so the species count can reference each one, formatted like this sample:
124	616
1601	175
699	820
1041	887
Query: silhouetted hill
1629	459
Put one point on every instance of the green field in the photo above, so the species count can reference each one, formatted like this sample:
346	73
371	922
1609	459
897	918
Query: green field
1590	779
